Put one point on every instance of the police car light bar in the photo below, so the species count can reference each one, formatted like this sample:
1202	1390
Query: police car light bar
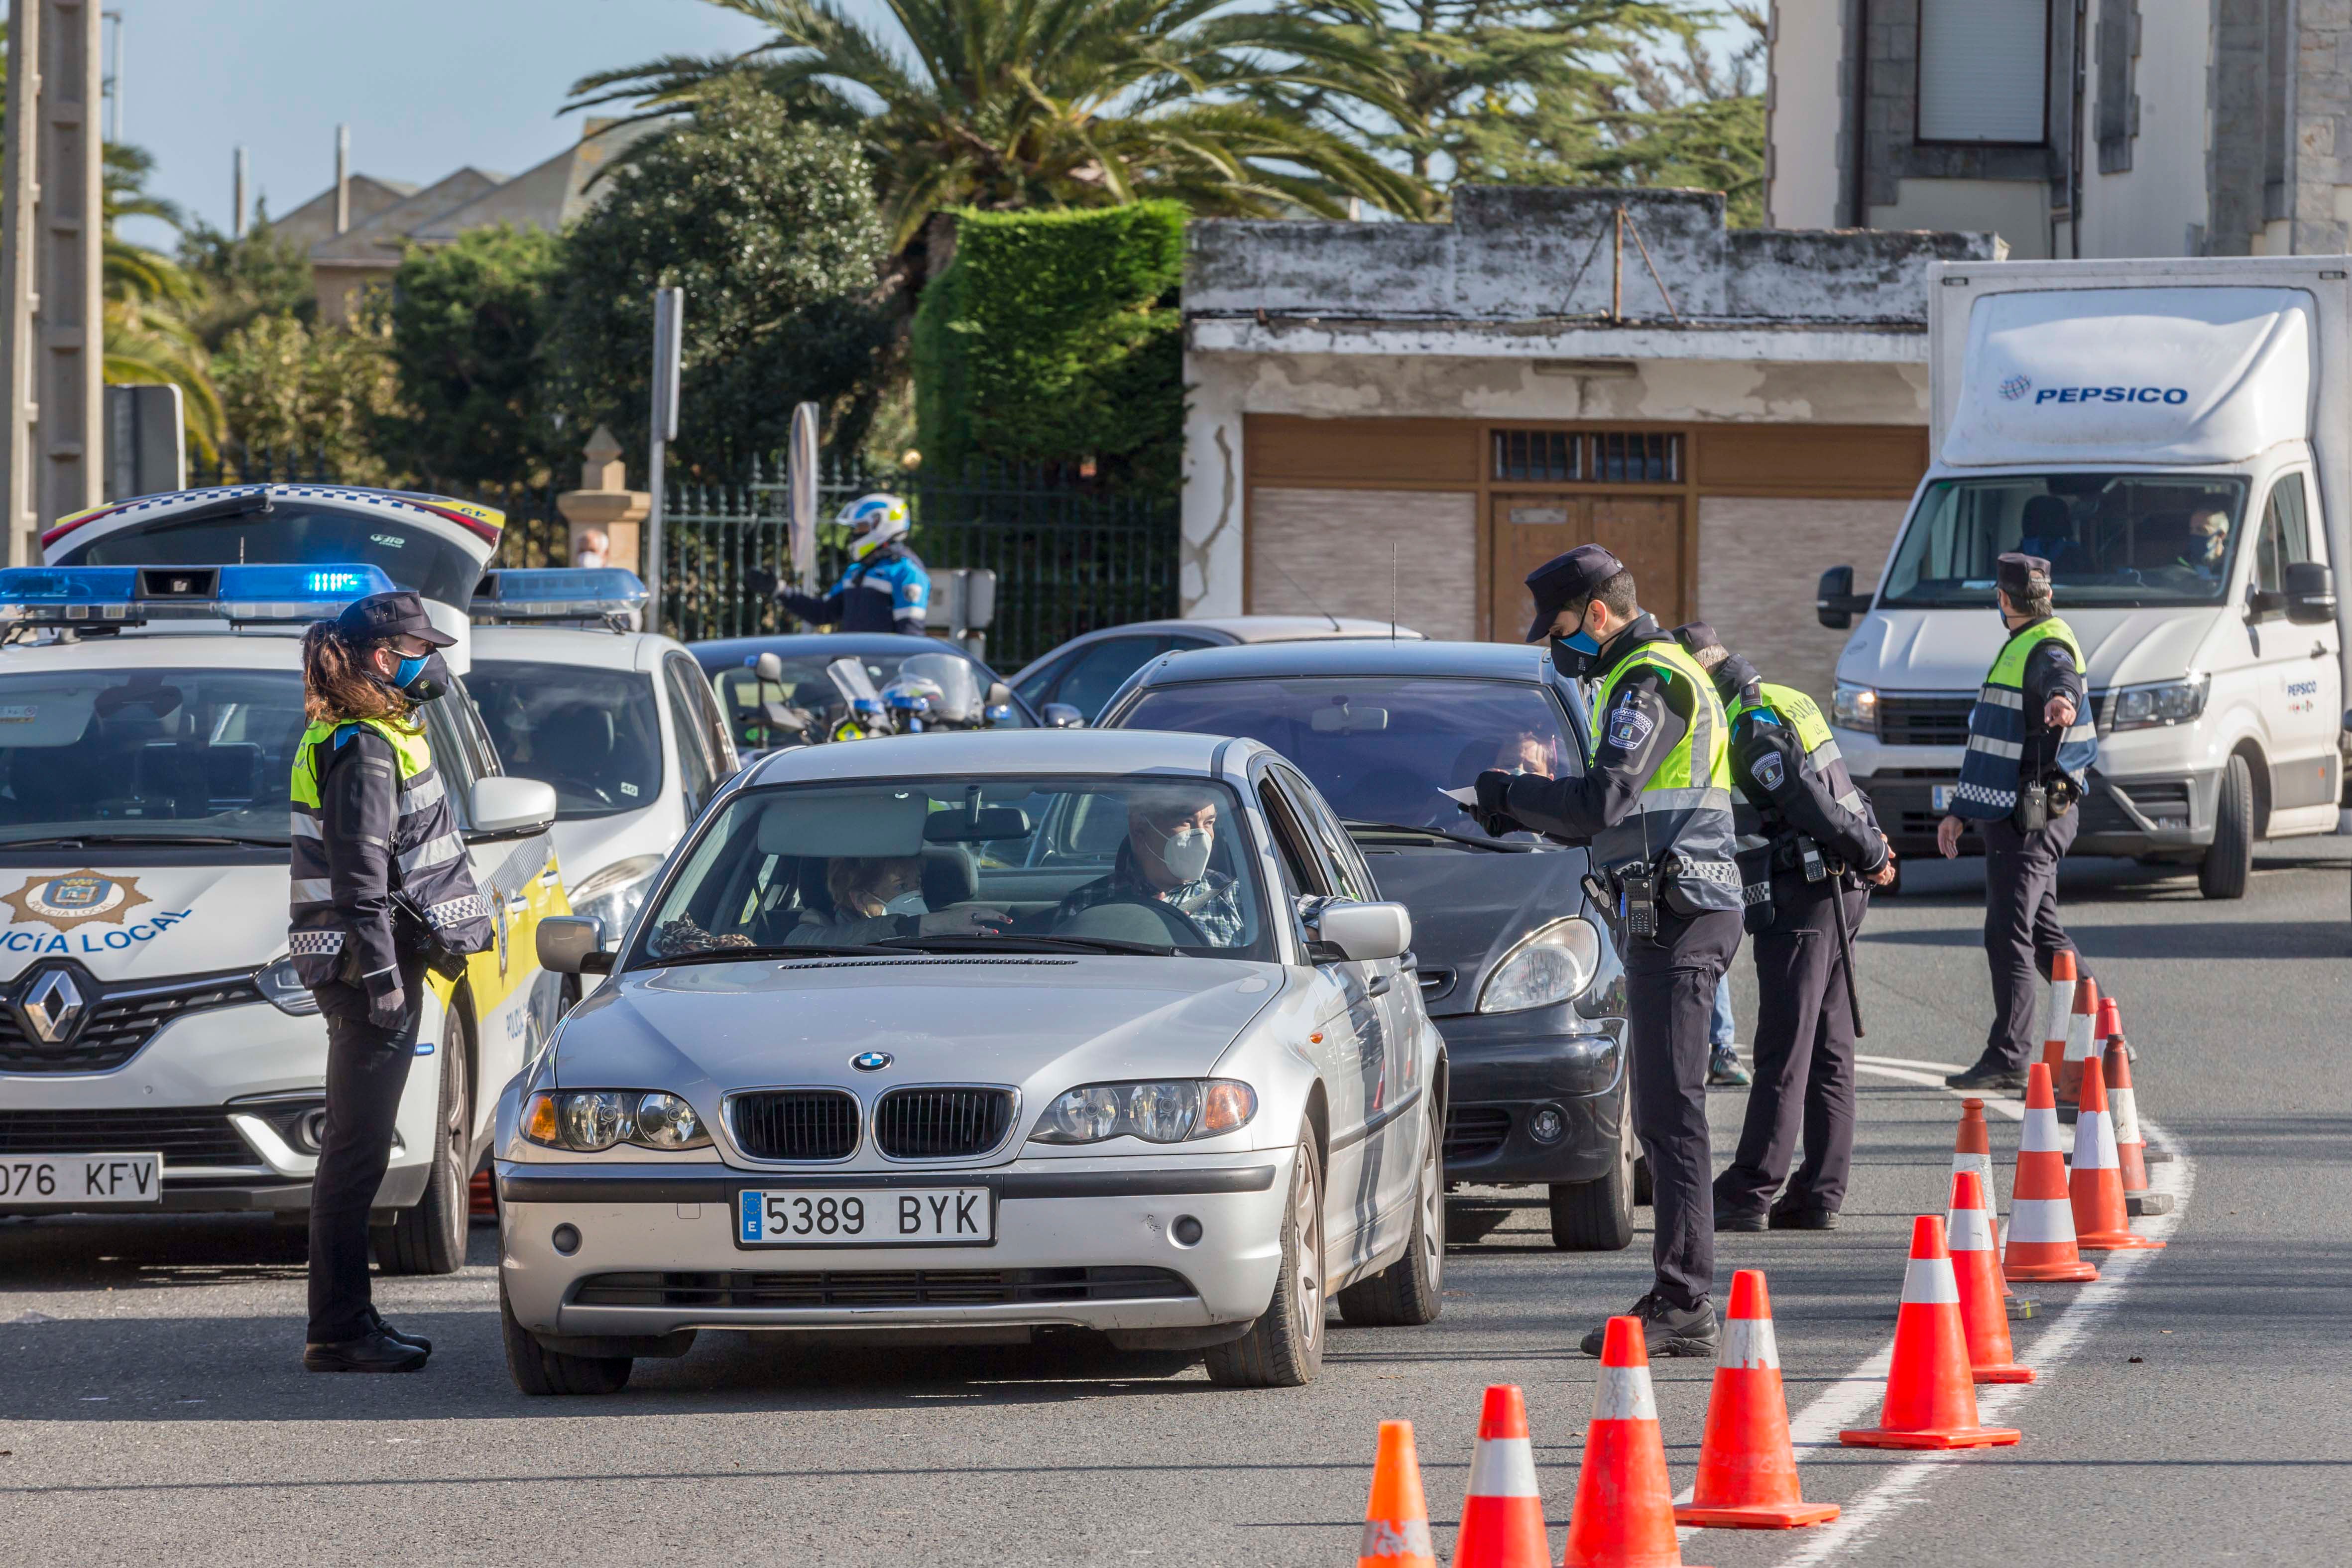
97	597
557	593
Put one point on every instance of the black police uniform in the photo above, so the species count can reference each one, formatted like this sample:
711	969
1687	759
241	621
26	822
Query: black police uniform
1791	801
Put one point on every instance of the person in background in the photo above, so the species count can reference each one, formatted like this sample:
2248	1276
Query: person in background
2209	541
1722	1069
879	896
592	548
885	588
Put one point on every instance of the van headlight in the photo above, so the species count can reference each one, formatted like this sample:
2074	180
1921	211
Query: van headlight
1554	965
614	894
1170	1110
1854	706
2151	707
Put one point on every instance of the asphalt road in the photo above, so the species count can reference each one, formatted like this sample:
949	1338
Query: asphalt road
152	1408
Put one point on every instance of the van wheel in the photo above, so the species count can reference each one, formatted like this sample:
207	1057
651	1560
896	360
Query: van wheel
1407	1293
538	1370
2227	865
1284	1349
1598	1216
431	1238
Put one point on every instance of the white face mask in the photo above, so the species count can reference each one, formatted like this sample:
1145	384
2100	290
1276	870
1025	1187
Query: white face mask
1186	852
907	903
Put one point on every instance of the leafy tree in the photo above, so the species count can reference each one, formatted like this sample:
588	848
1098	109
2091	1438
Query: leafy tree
769	227
1005	104
1684	121
147	300
320	393
470	323
263	274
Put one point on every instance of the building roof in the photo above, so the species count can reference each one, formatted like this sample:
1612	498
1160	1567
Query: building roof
377	241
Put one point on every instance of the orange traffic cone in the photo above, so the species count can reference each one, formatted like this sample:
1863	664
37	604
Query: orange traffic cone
1502	1518
2082	1031
2096	1188
1746	1469
1972	1144
2061	1003
2131	1149
1931	1400
2041	1212
1977	1266
1624	1512
1396	1522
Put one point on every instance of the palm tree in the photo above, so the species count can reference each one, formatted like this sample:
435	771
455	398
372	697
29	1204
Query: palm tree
1058	103
148	301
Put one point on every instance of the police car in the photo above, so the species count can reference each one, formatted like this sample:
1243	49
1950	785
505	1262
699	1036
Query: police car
156	1053
620	723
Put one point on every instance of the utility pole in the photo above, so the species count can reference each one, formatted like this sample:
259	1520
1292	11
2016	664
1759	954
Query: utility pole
669	319
237	195
342	178
114	82
52	229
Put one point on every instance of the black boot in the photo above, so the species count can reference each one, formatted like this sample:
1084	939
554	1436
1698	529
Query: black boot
371	1352
1665	1330
388	1331
1988	1076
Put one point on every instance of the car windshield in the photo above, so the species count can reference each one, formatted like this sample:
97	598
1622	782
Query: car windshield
1132	864
594	734
171	754
1381	750
411	554
2122	540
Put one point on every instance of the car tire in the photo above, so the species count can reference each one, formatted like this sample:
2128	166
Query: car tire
430	1238
1598	1216
537	1370
1283	1348
1409	1293
2229	862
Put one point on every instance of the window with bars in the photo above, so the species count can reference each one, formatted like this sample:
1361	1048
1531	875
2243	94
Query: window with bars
1605	456
1554	454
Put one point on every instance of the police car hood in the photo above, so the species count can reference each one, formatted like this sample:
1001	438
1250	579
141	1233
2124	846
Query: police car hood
1950	650
1470	906
131	922
1044	1024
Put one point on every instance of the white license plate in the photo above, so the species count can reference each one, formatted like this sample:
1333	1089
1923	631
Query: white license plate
854	1216
1940	797
82	1180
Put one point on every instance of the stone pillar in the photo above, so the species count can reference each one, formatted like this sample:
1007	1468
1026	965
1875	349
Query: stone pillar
604	501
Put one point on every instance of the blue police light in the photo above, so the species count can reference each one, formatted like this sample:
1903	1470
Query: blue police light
558	594
100	597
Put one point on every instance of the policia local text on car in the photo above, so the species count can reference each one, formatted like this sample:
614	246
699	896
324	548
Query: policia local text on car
1655	807
382	890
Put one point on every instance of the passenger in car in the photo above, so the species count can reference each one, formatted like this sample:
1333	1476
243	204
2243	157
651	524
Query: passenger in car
876	897
1172	832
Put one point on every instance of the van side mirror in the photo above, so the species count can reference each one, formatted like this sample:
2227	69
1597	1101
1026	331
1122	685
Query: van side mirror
2310	594
1835	603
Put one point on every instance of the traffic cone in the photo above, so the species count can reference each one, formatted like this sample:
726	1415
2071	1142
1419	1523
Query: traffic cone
1972	1144
2040	1211
2097	1187
2131	1149
1396	1522
2061	1005
1746	1469
1502	1517
1977	1266
1931	1399
1624	1512
2081	1029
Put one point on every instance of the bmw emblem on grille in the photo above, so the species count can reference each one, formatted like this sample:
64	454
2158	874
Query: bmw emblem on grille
871	1061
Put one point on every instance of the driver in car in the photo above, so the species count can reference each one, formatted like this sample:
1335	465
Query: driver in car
1171	832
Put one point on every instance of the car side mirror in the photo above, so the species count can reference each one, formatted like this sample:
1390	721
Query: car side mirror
1835	603
1362	933
2310	594
573	944
509	807
1062	716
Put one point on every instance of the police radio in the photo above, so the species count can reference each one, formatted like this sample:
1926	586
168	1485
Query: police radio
1637	887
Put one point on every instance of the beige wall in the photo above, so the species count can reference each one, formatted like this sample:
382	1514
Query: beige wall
1808	108
1314	552
1760	564
2017	210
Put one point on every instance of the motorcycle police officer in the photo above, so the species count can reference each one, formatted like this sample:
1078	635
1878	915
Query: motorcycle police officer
885	588
1807	839
2032	739
1655	807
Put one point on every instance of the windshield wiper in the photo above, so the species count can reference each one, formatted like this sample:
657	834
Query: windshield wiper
1354	825
740	954
77	839
1019	940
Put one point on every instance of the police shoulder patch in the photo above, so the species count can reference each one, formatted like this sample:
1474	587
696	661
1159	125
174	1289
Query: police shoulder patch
1770	772
1628	725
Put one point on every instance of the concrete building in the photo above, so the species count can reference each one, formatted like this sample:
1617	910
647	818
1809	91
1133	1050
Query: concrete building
2071	127
1418	414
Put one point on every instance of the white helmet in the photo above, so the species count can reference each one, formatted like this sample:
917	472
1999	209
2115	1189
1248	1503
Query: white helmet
873	520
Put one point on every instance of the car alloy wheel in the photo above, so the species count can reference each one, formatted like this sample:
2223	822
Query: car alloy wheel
1306	1239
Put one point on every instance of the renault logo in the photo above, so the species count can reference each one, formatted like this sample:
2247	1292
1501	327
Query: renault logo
871	1061
52	1007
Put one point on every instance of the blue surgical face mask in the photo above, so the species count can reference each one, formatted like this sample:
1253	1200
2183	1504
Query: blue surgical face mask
1573	656
410	668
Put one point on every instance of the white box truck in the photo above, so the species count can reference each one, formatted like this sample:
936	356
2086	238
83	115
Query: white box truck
2176	437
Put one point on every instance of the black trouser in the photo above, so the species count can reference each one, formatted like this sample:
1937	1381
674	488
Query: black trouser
367	1068
2021	934
1670	982
1804	1055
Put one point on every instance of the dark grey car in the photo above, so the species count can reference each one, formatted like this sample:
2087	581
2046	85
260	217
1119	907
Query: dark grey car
1516	969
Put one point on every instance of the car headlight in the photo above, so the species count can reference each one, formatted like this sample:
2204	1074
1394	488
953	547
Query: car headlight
1854	706
2151	707
589	1121
1168	1110
1551	966
277	985
615	893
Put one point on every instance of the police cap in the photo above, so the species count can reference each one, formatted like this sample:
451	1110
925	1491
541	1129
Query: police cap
2019	575
1697	636
380	617
1564	579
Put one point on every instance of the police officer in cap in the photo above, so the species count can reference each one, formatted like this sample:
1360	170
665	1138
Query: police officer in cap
2031	741
1655	807
1808	842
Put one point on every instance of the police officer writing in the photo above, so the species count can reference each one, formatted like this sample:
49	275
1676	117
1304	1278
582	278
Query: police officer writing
1655	807
382	891
1807	840
2030	745
885	588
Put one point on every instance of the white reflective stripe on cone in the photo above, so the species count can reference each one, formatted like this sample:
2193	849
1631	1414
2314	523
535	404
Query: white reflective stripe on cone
2124	1111
1503	1466
1980	1163
2078	1038
2095	1143
1969	1230
1623	1393
1748	1345
1929	1282
2040	1220
2040	1133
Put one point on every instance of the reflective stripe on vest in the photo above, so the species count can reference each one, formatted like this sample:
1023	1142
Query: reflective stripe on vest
1684	812
1998	726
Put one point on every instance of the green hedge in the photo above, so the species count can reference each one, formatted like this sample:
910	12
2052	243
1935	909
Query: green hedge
1055	337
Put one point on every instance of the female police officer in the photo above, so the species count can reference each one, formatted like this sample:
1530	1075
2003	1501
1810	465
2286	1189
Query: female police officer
381	888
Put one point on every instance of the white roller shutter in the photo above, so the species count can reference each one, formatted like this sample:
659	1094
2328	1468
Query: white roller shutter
1983	69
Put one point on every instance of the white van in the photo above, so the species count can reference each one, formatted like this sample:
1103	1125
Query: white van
2172	436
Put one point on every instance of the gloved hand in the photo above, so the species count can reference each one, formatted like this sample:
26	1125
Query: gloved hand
1495	792
760	582
387	999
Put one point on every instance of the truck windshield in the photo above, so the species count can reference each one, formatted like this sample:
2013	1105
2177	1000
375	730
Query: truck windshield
2123	539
